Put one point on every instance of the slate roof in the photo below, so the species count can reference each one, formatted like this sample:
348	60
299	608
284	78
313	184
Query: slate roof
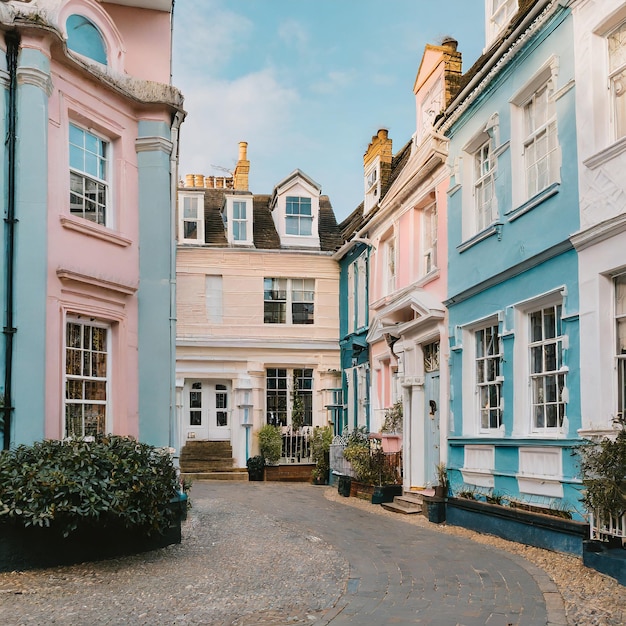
264	233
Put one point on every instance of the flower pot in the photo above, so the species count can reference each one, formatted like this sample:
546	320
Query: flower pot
434	509
386	493
343	486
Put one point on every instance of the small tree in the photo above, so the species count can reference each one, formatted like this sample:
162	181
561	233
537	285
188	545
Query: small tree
393	419
603	467
270	443
321	439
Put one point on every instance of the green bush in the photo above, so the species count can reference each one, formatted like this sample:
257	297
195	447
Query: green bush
112	481
270	443
370	464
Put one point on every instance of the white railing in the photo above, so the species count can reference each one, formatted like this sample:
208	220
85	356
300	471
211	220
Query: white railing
296	447
604	526
338	464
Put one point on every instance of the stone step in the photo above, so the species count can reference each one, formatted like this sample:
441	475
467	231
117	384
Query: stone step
236	474
226	465
398	507
409	501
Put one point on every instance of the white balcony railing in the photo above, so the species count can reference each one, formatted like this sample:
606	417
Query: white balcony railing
605	526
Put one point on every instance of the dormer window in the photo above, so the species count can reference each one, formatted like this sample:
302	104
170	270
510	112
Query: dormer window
299	217
499	14
237	216
295	207
191	222
372	186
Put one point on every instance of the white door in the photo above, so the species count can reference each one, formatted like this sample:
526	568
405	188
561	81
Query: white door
207	410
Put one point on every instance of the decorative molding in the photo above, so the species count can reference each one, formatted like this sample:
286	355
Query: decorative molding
90	229
599	232
153	144
36	77
67	275
606	154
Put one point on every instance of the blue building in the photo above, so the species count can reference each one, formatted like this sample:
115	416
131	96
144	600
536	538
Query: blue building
513	276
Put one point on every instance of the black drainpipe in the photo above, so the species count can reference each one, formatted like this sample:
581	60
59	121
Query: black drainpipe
12	40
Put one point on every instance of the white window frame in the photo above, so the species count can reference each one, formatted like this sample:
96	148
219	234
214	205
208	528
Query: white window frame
389	278
498	14
372	185
239	222
230	221
304	221
539	351
486	381
288	391
484	179
291	291
100	177
617	81
526	134
619	311
430	225
72	380
185	218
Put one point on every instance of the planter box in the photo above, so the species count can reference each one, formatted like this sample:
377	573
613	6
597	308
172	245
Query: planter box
533	529
361	490
29	548
291	472
612	562
434	508
343	485
386	493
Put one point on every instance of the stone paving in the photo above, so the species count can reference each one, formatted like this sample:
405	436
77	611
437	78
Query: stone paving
279	554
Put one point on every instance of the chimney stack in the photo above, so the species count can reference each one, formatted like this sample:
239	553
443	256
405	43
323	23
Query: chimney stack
381	147
242	168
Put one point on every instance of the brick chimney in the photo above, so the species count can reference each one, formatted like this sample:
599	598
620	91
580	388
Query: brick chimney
242	169
453	68
381	146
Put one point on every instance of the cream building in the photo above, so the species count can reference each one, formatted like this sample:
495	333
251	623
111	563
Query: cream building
257	314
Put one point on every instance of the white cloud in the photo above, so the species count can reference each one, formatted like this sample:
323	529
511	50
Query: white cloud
254	108
206	36
294	34
334	82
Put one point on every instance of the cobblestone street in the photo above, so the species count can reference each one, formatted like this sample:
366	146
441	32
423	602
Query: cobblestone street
271	553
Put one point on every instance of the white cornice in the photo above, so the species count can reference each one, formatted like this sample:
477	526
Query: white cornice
36	77
102	283
599	232
153	144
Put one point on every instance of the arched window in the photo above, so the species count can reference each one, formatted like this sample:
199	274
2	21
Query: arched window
85	38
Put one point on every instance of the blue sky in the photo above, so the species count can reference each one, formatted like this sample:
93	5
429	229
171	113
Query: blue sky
306	82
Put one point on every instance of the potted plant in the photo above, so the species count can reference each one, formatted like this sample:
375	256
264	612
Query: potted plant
270	443
256	467
321	439
297	407
374	475
441	489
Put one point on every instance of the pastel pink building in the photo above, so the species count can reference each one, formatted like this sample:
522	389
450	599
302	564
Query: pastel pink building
88	278
406	230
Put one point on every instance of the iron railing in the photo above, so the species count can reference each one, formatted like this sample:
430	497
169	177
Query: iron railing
296	446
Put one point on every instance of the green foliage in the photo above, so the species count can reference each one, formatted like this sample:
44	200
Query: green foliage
112	481
297	406
393	419
255	464
321	438
270	443
603	467
442	474
369	464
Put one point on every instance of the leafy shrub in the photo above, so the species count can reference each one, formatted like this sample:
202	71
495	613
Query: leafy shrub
270	443
370	465
255	463
603	466
393	419
112	481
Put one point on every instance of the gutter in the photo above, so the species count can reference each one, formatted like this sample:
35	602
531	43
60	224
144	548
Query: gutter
12	40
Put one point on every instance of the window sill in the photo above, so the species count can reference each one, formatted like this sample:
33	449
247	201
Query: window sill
94	230
535	201
493	229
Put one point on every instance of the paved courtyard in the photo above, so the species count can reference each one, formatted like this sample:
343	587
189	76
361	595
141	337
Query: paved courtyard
271	553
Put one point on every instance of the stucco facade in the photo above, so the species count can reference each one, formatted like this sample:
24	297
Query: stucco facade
513	273
90	283
256	313
601	240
